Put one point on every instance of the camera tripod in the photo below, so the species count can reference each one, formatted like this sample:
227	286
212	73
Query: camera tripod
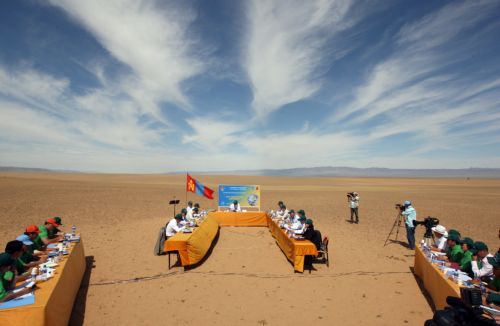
397	225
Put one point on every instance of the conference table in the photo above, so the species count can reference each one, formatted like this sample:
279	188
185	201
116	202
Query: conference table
437	285
54	298
192	247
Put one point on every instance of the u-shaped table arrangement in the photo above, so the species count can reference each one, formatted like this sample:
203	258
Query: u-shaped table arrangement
192	247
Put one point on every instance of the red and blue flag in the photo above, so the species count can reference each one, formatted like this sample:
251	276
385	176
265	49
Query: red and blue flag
194	186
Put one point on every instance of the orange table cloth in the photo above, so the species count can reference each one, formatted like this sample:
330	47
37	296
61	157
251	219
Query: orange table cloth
240	218
54	298
294	250
434	280
192	247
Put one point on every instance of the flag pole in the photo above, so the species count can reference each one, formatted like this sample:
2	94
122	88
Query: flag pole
186	190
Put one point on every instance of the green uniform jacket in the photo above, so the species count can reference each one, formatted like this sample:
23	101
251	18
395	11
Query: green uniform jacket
465	263
455	254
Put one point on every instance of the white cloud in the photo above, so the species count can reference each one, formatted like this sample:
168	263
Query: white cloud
286	48
152	40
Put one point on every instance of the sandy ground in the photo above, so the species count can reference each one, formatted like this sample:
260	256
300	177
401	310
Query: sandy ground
247	280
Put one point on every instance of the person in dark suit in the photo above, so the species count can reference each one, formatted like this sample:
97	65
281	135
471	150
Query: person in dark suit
314	236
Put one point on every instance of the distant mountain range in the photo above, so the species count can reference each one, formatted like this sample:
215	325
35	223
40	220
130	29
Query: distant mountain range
327	171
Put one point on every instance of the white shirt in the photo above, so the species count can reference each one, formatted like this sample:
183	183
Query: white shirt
235	209
189	209
173	227
301	229
441	243
354	202
485	271
282	214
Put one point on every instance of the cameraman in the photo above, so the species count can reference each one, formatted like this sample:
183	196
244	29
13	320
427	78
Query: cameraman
353	199
410	215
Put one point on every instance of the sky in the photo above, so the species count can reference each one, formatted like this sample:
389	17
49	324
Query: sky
159	86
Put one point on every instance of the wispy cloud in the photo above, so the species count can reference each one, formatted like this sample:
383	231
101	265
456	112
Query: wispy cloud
285	48
152	40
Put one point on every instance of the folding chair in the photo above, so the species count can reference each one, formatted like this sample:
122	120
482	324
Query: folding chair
324	250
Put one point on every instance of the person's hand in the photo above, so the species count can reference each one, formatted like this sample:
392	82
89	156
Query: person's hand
474	258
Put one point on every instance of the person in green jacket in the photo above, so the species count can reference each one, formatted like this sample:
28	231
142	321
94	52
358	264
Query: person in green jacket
495	262
454	253
45	231
465	262
8	278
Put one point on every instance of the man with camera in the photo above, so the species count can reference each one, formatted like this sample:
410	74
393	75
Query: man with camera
410	215
353	199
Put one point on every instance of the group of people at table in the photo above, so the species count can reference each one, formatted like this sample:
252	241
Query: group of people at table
184	221
24	253
471	257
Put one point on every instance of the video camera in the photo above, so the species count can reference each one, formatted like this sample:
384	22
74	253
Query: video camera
464	311
401	207
429	222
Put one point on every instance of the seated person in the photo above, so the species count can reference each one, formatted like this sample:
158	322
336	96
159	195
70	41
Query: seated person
481	268
495	283
439	235
235	207
291	217
282	213
37	248
27	259
454	251
465	262
189	207
8	279
56	231
300	228
14	248
174	226
312	235
48	227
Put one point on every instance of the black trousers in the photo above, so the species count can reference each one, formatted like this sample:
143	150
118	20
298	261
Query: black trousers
354	211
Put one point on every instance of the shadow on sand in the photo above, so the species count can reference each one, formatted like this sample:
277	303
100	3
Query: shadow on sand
78	312
423	290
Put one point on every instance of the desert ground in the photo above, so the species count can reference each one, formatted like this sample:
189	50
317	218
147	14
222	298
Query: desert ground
247	280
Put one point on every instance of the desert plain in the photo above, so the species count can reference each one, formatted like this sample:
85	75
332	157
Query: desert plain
246	279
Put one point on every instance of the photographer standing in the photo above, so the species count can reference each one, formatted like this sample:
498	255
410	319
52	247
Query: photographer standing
410	215
353	199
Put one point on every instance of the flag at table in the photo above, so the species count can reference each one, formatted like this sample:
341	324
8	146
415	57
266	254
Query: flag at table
194	186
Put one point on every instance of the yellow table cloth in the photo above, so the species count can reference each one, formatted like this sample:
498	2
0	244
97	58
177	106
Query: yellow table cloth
192	247
294	250
438	287
54	298
240	218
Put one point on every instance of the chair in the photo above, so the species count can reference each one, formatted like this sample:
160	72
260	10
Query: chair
324	250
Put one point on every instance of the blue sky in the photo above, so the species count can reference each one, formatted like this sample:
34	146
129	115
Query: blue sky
156	86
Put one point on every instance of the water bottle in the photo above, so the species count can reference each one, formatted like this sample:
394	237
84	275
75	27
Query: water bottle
34	273
73	230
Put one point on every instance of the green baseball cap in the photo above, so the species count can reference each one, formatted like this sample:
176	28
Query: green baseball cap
301	212
178	217
480	246
454	237
453	232
58	220
302	218
468	241
184	211
309	221
6	259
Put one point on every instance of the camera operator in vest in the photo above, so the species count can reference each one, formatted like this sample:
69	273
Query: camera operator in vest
410	215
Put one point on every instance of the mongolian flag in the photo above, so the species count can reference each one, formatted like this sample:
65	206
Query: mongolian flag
194	186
